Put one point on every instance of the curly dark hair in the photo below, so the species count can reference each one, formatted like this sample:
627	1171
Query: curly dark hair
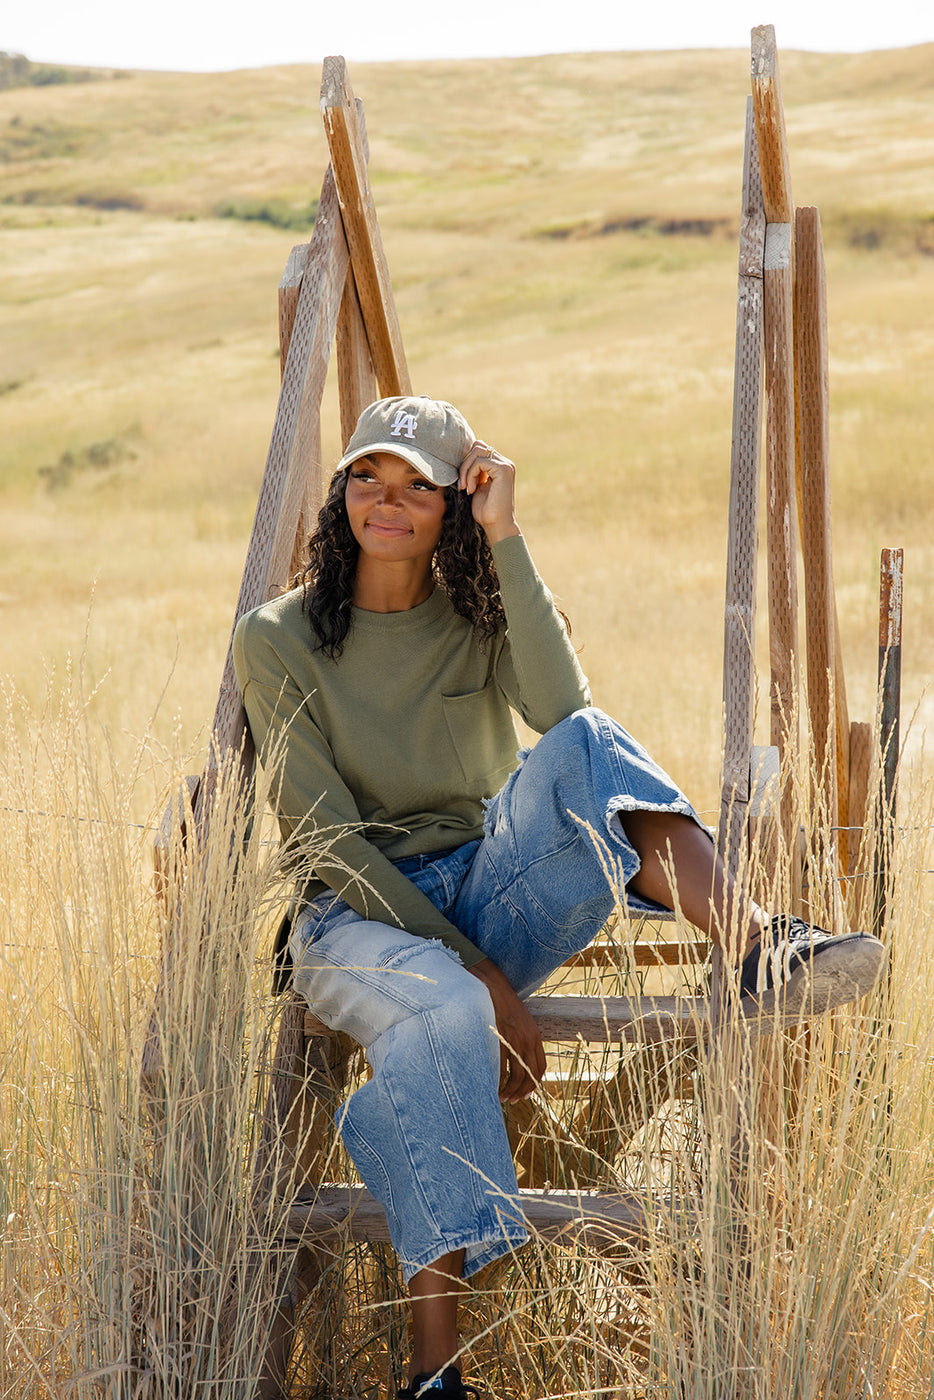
463	567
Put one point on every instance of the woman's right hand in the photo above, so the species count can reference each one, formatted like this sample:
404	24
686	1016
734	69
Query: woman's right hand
522	1054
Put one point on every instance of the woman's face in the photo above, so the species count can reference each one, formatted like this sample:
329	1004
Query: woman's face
395	513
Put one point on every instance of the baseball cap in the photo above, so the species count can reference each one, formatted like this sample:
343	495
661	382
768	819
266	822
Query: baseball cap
429	434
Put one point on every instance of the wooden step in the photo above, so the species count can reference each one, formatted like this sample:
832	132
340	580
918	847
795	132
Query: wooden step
674	1020
643	1019
597	1219
657	954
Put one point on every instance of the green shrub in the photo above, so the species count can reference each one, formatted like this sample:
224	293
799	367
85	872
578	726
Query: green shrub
276	212
18	71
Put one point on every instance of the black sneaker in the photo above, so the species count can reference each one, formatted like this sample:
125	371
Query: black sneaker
446	1386
799	969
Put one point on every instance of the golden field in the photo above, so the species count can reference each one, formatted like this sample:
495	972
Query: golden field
601	361
562	235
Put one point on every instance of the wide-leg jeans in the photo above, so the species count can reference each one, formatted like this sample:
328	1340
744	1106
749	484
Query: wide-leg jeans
426	1131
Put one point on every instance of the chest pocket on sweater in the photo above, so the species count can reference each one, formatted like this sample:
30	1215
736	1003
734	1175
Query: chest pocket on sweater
484	737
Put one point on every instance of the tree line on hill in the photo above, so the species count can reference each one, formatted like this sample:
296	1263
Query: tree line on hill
16	70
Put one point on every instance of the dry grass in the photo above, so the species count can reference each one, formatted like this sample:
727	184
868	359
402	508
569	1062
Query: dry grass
129	1224
794	1259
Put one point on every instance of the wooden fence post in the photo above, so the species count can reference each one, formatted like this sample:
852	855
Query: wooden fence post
293	464
826	684
743	538
780	404
371	272
890	679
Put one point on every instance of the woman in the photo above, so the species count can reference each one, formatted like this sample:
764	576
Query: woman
443	883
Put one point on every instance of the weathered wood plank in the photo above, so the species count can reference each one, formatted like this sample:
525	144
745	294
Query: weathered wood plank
356	378
826	687
890	681
770	126
634	1020
743	531
596	1219
290	288
648	1020
891	592
643	1019
780	483
779	387
742	540
294	455
763	817
860	771
890	672
660	954
371	272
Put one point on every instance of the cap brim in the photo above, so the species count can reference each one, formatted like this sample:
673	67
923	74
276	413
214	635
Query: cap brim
433	468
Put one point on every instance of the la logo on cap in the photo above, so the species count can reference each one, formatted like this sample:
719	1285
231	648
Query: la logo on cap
403	423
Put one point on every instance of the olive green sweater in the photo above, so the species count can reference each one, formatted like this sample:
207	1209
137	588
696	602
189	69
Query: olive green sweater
390	750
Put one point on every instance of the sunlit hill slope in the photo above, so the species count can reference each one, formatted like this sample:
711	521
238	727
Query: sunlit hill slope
562	237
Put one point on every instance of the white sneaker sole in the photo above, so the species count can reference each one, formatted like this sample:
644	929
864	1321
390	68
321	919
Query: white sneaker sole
844	969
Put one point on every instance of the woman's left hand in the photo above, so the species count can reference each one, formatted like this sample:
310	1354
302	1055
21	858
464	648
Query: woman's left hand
490	479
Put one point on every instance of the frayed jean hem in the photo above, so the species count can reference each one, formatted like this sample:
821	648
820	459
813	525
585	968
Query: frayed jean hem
481	1247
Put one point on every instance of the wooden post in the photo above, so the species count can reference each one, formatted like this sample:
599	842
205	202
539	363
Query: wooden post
303	1085
743	537
371	273
295	449
289	290
826	690
774	165
860	757
780	401
890	678
739	624
356	378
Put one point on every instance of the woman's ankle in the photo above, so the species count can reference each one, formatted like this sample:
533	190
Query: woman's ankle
431	1362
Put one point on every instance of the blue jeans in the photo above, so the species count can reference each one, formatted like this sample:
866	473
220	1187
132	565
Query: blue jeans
426	1132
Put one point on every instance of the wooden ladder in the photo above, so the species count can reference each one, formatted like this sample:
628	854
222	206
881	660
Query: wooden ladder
337	290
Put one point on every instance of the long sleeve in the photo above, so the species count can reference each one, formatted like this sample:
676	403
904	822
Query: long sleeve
538	669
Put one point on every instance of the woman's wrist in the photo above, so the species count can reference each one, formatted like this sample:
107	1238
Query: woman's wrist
501	531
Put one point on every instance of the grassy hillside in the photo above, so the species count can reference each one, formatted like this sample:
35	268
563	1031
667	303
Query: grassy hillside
562	238
561	233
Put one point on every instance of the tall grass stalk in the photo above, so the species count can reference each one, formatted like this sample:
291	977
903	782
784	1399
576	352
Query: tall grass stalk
131	1264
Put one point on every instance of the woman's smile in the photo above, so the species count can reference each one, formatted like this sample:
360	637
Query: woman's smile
395	513
388	528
